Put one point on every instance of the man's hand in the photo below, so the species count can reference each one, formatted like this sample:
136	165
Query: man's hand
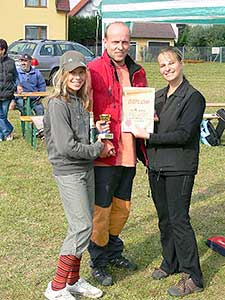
19	89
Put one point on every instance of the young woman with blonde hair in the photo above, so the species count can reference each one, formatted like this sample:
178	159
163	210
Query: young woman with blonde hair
66	129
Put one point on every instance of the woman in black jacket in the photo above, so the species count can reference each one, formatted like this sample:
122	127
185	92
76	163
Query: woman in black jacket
173	153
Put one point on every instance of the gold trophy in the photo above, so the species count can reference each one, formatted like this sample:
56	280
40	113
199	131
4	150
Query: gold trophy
104	134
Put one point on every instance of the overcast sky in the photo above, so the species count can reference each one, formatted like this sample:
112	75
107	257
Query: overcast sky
73	3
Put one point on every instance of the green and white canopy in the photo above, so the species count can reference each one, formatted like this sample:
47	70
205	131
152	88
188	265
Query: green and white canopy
171	11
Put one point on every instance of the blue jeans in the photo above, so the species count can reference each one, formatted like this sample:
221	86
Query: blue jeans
37	106
5	126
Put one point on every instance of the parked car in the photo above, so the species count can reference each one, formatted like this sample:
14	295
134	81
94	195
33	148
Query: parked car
46	53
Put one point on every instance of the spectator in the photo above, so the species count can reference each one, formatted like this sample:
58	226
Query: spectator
8	76
30	80
173	153
113	175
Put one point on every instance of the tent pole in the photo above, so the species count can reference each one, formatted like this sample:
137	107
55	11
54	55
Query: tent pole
103	34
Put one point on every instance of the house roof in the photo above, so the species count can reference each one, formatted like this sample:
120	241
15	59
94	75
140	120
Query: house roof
81	4
63	5
152	30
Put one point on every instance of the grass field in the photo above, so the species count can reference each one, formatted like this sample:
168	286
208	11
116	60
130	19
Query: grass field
32	223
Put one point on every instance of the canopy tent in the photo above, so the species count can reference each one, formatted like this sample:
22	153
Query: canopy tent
171	11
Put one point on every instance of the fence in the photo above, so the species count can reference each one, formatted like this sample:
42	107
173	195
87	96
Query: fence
149	54
209	54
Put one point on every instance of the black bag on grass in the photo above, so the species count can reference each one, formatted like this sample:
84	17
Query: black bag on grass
208	135
221	122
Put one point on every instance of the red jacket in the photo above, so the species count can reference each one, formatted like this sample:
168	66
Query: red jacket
107	93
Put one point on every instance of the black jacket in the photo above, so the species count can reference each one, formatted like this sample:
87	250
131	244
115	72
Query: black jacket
8	75
174	147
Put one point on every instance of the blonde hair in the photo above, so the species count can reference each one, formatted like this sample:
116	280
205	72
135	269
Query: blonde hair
60	89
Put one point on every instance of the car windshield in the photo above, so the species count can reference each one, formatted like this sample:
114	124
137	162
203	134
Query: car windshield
86	52
64	47
21	48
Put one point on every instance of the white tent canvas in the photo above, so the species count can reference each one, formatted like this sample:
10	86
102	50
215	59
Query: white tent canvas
172	11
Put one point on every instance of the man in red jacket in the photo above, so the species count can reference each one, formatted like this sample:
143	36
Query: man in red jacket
114	174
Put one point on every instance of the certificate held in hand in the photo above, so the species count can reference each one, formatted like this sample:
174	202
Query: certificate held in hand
138	108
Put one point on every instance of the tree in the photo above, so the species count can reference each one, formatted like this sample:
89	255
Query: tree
83	30
202	36
197	36
216	36
183	31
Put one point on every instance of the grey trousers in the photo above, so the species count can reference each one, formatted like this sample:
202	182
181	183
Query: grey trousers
77	195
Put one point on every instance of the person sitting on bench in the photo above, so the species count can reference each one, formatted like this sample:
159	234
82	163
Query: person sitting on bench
30	80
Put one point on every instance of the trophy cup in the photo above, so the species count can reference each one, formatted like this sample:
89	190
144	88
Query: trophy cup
104	134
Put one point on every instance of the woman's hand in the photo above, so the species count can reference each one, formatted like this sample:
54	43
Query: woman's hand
156	118
139	132
103	126
99	139
108	149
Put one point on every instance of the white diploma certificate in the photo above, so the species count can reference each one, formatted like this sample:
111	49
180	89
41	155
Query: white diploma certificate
138	108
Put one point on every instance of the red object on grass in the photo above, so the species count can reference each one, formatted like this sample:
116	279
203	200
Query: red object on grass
217	243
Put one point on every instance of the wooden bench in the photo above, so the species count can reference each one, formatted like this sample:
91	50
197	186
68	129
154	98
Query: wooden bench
26	100
32	125
213	116
215	104
27	111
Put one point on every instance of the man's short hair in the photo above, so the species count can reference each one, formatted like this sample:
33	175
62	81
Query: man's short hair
3	45
116	22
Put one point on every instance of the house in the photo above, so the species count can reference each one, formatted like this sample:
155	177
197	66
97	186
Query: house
83	8
146	35
143	35
34	19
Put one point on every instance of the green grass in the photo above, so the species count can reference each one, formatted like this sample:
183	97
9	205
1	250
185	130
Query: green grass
32	223
209	78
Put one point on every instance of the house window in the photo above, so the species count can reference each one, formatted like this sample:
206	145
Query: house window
36	3
158	44
133	50
35	32
154	48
